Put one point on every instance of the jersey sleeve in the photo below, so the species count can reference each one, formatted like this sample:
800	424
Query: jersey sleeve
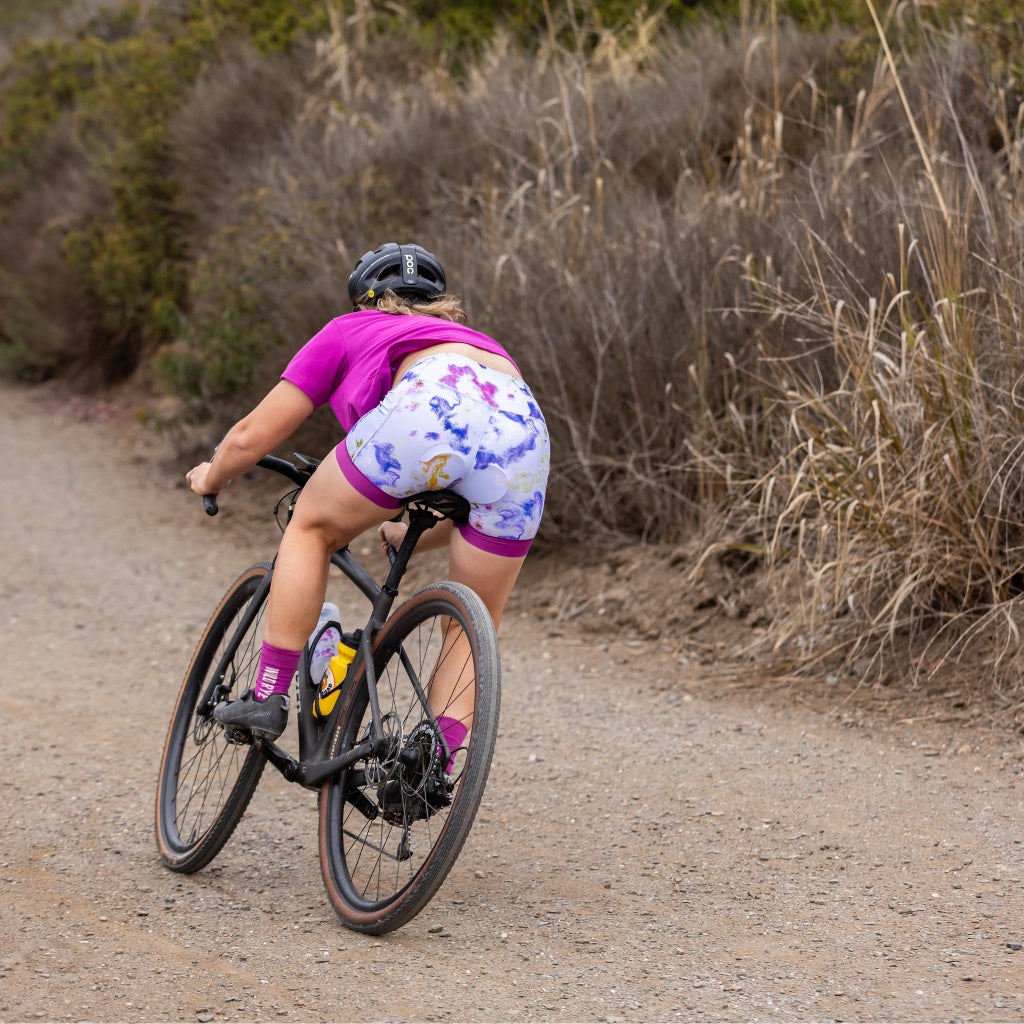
319	366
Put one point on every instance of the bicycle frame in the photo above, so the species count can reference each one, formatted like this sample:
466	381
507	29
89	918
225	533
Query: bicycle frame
313	766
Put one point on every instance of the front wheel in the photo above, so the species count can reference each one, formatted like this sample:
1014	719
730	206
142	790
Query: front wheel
392	825
206	782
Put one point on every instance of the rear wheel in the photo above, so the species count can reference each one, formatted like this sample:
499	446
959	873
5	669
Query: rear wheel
206	782
392	826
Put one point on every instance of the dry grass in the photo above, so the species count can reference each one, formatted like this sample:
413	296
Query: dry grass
764	297
754	306
895	404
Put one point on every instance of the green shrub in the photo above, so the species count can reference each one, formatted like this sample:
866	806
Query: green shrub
131	264
20	16
43	81
110	93
219	358
273	26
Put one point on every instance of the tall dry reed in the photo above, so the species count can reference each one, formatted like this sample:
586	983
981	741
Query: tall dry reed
891	368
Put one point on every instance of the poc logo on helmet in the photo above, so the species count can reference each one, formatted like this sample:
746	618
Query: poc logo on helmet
410	265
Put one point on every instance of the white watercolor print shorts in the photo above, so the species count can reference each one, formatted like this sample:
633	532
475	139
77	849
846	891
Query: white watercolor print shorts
452	422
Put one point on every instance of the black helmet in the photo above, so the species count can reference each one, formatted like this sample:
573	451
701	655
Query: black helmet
408	270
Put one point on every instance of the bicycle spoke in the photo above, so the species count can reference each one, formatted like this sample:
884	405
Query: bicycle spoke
392	826
205	781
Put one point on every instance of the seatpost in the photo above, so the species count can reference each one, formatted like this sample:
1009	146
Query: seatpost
420	520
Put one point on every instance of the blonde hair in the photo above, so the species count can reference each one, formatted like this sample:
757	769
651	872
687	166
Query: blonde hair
444	307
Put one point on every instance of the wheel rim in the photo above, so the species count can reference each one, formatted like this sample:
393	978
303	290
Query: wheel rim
202	767
382	853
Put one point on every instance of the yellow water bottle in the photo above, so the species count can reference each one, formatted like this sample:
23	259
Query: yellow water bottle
330	684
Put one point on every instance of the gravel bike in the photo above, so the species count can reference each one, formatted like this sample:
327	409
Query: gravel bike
395	804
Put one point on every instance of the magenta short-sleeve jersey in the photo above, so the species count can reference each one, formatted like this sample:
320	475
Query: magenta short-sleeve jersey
351	362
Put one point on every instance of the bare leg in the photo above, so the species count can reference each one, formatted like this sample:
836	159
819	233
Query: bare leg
436	537
492	577
329	514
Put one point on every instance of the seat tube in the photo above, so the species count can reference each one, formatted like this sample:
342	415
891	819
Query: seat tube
419	522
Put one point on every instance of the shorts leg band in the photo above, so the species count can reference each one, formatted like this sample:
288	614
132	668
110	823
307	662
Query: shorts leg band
367	488
494	545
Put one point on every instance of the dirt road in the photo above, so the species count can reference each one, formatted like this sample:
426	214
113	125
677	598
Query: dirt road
656	844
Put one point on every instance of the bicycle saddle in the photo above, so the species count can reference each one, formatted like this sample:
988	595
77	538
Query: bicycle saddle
444	504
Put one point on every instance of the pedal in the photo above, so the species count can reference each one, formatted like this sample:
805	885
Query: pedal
240	737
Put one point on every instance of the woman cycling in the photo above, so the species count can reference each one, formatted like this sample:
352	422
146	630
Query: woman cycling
426	403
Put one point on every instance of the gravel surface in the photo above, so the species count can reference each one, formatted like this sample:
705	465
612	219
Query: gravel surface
662	838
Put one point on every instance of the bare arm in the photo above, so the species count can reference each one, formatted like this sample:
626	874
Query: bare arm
272	422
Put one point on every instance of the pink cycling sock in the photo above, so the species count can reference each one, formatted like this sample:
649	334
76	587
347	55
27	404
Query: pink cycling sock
454	732
277	667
